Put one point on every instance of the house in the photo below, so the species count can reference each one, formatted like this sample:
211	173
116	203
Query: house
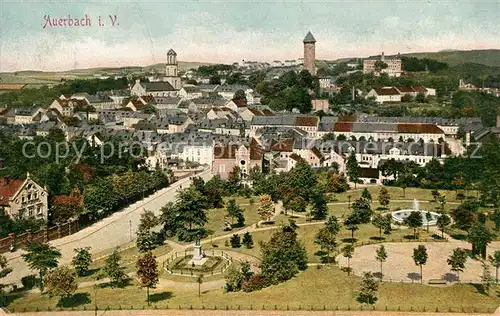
320	105
189	91
221	113
392	66
24	115
178	124
23	198
385	94
227	91
199	151
227	156
157	89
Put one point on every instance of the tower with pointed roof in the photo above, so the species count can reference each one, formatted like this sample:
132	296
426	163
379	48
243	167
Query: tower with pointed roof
310	53
171	70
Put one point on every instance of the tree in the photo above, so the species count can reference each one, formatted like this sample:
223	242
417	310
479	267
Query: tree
148	220
420	98
247	240
282	256
414	220
320	208
191	208
332	225
495	261
369	288
381	257
486	278
352	223
61	282
4	271
147	240
379	65
326	239
41	257
442	222
235	241
82	260
233	210
384	197
387	222
435	195
428	218
420	258
113	269
353	170
379	221
348	252
479	236
199	280
266	207
147	272
240	95
457	261
365	194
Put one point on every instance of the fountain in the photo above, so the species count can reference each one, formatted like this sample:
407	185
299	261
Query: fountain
399	216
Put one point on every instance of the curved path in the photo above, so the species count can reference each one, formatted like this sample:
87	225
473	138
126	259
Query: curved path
111	232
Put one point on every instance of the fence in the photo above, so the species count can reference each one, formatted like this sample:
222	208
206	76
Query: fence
455	308
217	269
44	235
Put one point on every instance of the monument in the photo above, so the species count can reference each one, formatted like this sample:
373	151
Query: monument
198	258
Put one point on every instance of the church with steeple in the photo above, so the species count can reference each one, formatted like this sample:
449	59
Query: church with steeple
172	70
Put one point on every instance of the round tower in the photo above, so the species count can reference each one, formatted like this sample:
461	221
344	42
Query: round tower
310	53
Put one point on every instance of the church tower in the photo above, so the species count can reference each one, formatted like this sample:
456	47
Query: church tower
310	53
171	70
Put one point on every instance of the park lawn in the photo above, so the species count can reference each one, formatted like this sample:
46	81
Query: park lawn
282	219
396	193
129	258
328	288
368	234
305	234
216	218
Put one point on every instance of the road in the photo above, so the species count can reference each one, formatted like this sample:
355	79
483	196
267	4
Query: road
115	230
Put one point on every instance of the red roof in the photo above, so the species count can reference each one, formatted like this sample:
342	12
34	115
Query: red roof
239	103
307	121
137	104
148	99
419	128
284	144
8	187
387	91
343	127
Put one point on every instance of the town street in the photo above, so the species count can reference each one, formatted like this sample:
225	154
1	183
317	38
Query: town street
113	231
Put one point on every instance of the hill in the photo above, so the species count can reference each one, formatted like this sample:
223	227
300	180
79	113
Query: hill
41	77
488	57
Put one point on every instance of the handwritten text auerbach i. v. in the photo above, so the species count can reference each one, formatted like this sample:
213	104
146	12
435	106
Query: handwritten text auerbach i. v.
85	21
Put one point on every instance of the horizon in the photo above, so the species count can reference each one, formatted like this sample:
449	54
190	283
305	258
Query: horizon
140	34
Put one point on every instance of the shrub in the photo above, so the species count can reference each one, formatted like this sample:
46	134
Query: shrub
254	283
29	281
235	241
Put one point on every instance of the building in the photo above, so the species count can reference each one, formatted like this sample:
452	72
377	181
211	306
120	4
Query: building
393	66
385	94
227	156
23	198
172	70
156	89
310	53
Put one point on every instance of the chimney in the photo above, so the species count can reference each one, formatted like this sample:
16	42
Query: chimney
498	121
382	58
137	80
467	139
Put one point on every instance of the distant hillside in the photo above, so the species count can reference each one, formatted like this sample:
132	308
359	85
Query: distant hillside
41	77
488	57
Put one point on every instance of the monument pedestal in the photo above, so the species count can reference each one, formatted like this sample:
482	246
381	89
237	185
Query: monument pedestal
198	258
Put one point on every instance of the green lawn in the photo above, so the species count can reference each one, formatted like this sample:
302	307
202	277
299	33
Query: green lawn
397	194
129	258
216	216
327	288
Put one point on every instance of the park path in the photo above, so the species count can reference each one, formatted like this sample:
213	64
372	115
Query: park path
111	232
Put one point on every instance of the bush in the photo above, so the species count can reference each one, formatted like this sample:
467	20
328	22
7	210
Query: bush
255	283
235	241
29	281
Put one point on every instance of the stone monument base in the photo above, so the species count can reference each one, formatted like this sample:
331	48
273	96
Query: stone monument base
198	261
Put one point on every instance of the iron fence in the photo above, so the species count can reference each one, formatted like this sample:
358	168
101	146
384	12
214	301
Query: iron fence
192	273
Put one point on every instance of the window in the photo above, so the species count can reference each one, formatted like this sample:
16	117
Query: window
30	213
39	210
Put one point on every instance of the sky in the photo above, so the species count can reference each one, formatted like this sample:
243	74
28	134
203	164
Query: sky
230	31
